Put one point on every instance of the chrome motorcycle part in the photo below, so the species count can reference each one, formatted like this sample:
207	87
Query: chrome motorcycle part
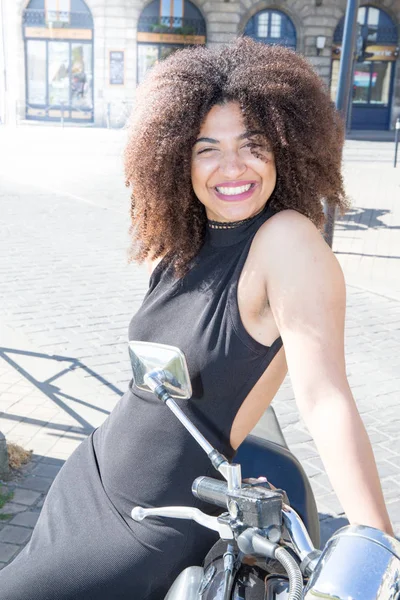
251	542
166	361
207	578
358	562
257	506
301	542
184	512
277	588
187	585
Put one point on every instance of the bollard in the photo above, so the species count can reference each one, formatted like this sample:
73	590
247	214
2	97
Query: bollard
396	140
4	467
108	115
62	114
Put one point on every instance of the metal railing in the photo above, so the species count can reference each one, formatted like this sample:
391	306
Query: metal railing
175	25
32	17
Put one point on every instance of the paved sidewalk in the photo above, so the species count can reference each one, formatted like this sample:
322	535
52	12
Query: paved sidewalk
67	295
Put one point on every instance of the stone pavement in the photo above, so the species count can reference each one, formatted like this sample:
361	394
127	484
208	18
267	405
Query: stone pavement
67	295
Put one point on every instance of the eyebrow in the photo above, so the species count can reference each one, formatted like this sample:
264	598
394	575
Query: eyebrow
242	136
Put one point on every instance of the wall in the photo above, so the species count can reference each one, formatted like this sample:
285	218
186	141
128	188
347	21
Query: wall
115	29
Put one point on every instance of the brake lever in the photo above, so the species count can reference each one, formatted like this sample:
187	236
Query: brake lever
185	512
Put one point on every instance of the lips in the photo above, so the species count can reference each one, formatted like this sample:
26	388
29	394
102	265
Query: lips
231	191
234	191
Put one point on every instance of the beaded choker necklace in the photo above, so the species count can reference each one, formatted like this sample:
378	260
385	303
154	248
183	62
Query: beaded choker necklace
229	224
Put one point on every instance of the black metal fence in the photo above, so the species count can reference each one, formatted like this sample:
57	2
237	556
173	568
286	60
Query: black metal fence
176	25
32	17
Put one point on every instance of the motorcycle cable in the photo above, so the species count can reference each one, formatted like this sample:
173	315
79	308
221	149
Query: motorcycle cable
229	569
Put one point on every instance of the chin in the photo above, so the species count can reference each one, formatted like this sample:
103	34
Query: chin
238	213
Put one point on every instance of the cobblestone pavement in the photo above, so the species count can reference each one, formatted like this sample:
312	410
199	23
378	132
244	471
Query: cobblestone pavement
67	295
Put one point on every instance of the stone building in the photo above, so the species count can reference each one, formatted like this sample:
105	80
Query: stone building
82	60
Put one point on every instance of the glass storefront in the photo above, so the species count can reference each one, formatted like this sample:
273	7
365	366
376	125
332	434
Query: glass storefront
81	76
373	72
36	67
59	65
59	71
150	54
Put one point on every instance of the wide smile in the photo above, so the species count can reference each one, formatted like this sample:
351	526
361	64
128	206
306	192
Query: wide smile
234	193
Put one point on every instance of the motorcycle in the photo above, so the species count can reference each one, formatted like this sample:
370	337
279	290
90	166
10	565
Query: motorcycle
268	548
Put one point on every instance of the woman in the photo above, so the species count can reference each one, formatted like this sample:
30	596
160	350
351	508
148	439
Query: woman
230	154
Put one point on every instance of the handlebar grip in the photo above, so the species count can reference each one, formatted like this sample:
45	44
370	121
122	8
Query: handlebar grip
210	490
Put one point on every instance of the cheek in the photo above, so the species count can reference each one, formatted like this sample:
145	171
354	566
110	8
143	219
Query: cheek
200	173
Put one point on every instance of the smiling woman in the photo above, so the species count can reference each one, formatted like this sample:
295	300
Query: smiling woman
230	154
274	94
233	175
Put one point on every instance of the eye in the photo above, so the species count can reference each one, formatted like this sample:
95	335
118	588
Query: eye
203	150
252	145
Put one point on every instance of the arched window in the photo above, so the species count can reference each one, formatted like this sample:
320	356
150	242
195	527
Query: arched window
165	26
272	27
374	23
58	37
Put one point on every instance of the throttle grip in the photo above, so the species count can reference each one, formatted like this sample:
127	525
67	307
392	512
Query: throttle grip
211	490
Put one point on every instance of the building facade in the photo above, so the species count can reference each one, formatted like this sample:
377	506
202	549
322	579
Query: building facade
81	60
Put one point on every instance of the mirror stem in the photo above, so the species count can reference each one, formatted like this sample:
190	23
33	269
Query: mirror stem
232	473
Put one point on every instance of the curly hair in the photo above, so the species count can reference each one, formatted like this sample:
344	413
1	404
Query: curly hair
278	92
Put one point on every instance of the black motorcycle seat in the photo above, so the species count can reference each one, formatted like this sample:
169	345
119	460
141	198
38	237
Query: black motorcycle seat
261	457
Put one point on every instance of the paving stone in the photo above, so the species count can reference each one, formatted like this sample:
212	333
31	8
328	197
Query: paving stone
296	436
387	469
25	519
304	451
12	508
40	484
8	551
329	526
331	502
46	470
13	534
27	497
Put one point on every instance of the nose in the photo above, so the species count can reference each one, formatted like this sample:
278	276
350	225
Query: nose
232	165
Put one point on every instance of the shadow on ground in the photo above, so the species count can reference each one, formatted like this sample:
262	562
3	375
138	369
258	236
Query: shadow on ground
329	525
54	380
360	219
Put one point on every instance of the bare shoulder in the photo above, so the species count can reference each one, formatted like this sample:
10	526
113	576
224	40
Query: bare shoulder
290	225
290	245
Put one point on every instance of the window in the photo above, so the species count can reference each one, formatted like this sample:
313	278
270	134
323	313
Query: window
171	8
373	16
58	82
276	25
165	8
36	71
178	9
272	27
380	83
57	11
262	28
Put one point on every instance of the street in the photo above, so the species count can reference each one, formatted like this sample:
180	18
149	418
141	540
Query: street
68	293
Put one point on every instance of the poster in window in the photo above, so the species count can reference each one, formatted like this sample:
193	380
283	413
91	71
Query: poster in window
117	67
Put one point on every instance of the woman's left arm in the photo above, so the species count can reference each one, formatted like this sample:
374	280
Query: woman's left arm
306	292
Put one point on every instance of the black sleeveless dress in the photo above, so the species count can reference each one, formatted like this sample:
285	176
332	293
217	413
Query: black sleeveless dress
85	545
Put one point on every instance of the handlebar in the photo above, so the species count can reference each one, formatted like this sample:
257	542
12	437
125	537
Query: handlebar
210	490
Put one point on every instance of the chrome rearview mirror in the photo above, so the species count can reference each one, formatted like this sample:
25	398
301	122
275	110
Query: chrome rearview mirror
170	362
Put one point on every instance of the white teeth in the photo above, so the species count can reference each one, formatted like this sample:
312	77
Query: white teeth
233	191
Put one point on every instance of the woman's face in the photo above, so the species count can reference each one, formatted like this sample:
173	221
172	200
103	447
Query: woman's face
231	181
